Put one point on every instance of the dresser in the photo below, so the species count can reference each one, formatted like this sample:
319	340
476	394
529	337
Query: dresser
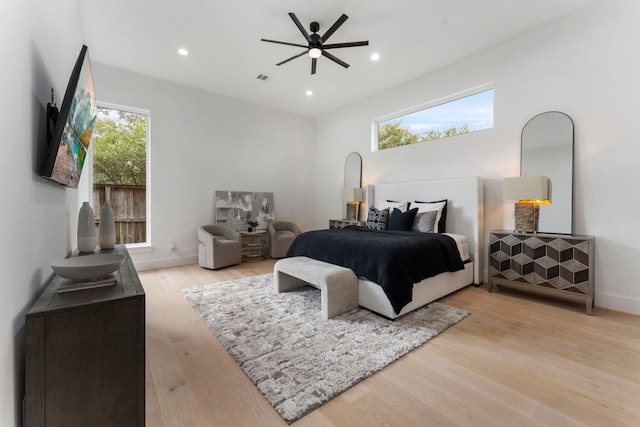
85	354
551	264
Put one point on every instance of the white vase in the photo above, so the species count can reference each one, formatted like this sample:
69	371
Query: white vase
86	229
107	233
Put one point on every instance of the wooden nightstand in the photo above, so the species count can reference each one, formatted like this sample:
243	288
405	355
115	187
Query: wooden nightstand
552	264
341	223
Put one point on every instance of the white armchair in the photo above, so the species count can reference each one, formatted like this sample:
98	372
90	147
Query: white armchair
219	246
282	233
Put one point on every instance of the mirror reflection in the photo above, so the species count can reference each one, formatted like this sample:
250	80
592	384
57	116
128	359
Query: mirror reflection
352	174
547	149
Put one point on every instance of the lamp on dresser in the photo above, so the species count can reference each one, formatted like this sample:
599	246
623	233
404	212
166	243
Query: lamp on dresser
352	197
529	192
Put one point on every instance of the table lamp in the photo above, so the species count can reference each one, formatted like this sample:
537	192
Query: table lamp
529	192
352	197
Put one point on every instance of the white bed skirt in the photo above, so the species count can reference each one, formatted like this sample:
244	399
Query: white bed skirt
371	295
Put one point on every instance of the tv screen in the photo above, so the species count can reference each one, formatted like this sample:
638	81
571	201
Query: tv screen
72	126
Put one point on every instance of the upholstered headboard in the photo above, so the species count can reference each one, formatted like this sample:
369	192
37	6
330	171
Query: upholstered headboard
465	208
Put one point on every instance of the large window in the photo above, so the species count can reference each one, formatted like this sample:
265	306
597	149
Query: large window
462	114
120	152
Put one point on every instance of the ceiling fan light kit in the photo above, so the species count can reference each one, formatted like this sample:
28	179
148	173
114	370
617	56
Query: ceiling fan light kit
315	43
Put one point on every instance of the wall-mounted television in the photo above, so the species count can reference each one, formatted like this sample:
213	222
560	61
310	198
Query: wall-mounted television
69	129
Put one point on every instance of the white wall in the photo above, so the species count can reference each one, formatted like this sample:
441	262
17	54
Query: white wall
583	66
201	142
40	41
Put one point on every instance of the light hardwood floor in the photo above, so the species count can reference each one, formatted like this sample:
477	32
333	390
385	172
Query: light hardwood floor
517	360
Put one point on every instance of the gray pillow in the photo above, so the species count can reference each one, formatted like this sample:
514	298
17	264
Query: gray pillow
425	222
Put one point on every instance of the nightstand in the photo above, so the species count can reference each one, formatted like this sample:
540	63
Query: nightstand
551	264
341	223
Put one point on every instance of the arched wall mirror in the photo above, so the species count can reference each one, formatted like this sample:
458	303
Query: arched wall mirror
547	149
352	174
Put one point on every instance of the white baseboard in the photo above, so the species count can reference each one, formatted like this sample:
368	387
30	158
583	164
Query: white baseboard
618	303
142	265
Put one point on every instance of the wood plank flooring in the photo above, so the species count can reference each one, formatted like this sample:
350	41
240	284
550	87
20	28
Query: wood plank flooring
518	360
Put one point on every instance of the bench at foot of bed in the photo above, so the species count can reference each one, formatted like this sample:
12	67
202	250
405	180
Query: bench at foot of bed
339	285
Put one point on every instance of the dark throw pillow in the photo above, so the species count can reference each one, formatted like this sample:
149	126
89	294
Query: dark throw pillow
402	221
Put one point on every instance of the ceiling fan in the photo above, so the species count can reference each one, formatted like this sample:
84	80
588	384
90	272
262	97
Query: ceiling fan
316	46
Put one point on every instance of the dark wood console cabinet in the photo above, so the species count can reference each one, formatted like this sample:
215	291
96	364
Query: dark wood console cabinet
85	354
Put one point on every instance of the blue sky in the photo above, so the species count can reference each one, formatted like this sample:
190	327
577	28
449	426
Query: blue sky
474	110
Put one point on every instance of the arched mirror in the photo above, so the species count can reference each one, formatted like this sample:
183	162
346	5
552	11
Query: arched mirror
352	174
547	149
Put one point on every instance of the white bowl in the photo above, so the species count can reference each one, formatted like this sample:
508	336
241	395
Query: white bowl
88	267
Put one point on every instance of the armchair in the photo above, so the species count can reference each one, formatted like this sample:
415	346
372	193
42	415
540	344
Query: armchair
219	246
282	233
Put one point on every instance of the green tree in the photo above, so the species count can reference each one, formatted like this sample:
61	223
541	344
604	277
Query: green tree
394	135
437	134
119	148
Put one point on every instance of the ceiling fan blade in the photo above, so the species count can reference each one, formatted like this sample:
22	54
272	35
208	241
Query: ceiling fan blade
334	27
334	59
299	25
293	57
349	44
287	43
313	65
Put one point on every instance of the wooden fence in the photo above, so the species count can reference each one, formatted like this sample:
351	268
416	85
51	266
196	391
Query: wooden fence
129	204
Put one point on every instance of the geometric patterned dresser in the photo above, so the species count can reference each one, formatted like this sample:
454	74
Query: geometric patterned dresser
553	264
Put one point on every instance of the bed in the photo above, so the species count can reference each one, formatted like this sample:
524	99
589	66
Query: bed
464	218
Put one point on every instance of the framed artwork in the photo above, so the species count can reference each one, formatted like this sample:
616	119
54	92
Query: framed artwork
235	208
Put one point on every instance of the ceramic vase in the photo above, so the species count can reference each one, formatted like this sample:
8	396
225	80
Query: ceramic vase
86	229
107	233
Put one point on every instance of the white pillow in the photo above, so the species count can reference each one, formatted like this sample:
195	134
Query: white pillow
401	206
431	206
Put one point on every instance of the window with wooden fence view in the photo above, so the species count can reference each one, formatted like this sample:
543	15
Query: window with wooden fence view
120	171
458	116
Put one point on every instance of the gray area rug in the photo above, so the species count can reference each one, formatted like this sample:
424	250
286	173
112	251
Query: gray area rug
297	359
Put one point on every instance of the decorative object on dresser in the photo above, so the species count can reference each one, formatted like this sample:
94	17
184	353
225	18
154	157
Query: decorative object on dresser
341	223
86	229
107	229
296	358
352	197
529	192
85	354
551	264
219	246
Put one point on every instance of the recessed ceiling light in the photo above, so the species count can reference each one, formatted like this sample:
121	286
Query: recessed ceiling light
375	56
183	52
308	93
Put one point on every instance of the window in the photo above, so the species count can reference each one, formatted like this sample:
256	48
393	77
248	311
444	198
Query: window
120	153
463	114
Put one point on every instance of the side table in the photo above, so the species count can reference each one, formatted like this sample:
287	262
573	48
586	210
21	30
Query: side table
252	245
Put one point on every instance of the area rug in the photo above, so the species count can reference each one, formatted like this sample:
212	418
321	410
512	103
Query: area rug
297	359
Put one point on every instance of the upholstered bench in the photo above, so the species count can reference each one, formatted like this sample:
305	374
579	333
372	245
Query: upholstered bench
338	285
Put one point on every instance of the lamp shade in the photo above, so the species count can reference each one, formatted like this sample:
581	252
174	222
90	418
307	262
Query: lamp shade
352	195
526	188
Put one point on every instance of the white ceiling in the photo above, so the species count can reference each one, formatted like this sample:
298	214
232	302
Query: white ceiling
413	37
